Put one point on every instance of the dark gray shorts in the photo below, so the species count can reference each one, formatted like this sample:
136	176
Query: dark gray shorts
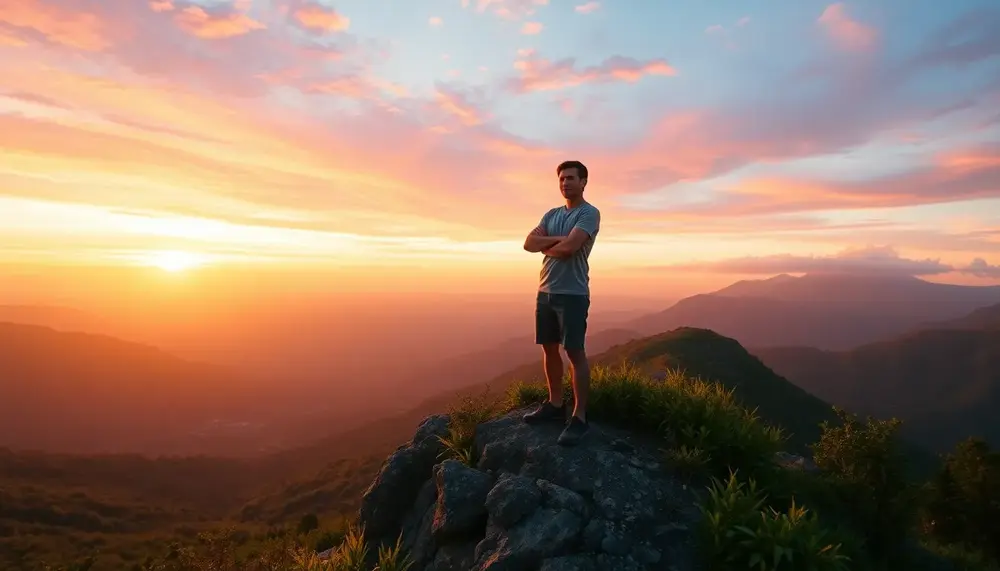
561	318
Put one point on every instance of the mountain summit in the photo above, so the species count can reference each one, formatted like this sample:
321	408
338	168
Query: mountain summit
528	503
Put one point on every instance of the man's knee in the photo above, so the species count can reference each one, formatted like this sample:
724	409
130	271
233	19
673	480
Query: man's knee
577	356
550	350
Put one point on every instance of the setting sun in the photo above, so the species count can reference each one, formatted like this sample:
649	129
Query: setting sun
174	260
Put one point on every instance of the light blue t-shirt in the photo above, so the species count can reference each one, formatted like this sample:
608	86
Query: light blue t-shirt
569	275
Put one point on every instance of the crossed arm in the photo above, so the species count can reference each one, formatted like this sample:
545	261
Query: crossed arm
555	246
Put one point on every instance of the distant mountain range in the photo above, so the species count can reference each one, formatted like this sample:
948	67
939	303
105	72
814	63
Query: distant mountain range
944	382
87	393
828	311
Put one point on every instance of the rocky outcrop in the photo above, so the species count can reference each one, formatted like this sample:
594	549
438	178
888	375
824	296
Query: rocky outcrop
530	504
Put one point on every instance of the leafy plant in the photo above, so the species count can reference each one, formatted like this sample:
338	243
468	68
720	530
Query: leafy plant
393	558
740	532
963	499
867	472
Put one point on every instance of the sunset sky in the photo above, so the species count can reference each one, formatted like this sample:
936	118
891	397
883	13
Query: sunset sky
725	138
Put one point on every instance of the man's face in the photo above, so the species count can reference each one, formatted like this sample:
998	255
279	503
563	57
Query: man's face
570	183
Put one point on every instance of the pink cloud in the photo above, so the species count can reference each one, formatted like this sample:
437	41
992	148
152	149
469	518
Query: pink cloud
459	106
55	24
532	28
300	151
955	176
587	8
982	269
847	32
539	74
435	21
161	5
871	259
220	23
318	17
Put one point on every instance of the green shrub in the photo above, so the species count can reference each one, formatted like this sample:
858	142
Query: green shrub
738	531
866	472
963	500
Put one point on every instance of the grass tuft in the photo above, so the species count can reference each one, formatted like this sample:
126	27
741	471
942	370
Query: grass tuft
460	442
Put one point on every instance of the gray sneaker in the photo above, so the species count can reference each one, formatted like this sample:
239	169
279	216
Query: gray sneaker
546	412
574	431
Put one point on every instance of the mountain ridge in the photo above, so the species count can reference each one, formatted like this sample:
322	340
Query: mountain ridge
943	383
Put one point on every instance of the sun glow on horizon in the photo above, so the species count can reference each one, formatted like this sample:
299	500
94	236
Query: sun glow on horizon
173	260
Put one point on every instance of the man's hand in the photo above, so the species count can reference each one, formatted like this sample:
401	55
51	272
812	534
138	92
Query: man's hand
538	241
565	248
555	251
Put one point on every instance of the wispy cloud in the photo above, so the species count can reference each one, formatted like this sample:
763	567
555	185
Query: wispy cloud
311	116
870	260
532	28
846	31
539	74
508	9
319	17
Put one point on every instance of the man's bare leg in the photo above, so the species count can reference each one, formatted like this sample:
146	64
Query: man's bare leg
553	365
581	381
553	408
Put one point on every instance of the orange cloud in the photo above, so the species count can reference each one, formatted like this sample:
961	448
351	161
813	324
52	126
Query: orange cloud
539	74
532	28
954	176
318	17
459	106
57	25
587	8
214	25
847	32
161	5
10	41
206	157
170	132
358	87
435	21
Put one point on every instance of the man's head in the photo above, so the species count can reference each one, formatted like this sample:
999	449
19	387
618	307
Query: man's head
572	178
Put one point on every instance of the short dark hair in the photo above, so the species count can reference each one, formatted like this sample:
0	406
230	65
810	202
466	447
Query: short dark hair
581	169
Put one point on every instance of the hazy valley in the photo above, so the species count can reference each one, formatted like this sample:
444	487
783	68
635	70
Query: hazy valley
220	444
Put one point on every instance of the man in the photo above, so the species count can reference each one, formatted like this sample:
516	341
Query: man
565	236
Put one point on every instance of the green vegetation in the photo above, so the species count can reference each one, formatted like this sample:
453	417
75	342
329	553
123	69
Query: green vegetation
859	509
856	511
963	500
462	421
116	511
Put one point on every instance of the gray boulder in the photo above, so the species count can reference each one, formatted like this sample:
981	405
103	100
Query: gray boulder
530	504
